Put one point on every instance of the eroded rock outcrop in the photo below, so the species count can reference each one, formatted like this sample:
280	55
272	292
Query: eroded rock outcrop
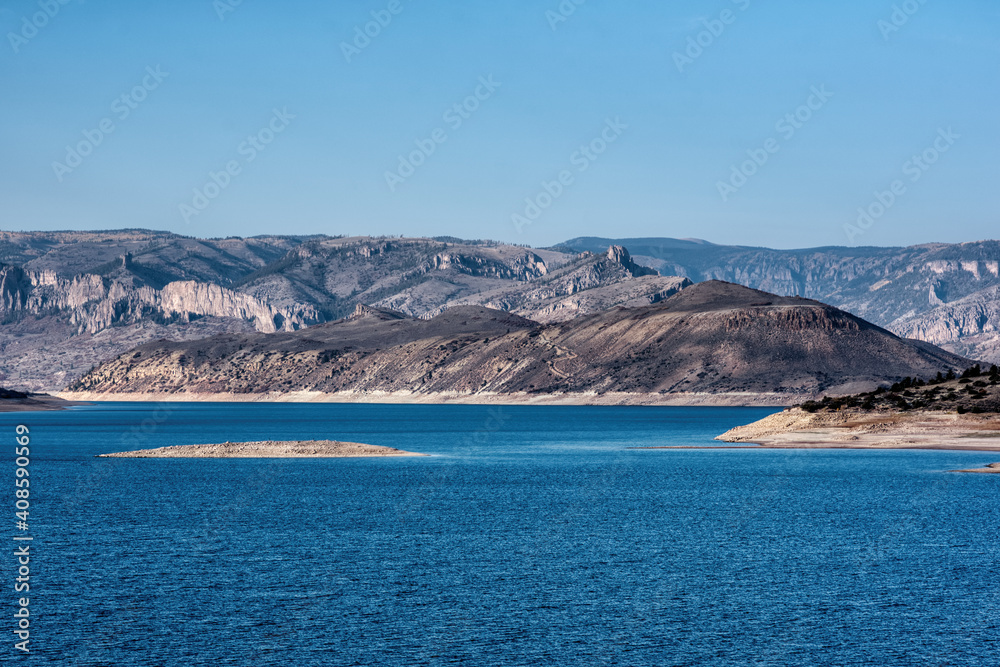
93	303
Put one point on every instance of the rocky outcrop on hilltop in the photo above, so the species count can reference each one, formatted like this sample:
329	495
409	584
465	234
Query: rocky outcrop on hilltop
588	285
712	338
414	276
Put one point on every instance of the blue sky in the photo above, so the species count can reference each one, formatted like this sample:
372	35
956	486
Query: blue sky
664	131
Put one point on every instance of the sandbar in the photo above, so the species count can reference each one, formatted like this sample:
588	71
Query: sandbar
268	449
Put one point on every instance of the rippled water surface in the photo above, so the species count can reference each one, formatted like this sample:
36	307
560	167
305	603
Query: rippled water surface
531	536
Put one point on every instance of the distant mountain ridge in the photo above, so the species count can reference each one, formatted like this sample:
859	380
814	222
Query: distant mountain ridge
70	300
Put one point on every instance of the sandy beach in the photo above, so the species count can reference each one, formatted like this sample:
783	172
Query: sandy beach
269	449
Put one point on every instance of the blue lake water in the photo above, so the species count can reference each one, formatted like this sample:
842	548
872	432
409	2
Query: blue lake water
532	536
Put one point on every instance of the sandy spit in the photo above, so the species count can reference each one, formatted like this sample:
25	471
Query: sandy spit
733	399
993	467
268	449
797	429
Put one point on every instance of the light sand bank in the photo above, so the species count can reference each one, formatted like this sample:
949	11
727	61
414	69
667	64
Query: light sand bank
270	449
797	429
733	399
993	467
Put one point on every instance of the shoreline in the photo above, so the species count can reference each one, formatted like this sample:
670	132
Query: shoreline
991	468
692	399
797	429
38	403
835	446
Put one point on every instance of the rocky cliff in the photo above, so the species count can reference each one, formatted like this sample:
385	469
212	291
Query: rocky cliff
589	284
93	304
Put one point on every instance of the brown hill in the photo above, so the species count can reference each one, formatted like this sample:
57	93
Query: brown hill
713	337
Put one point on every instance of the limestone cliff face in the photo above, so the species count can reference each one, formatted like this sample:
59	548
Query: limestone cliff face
527	266
93	304
970	326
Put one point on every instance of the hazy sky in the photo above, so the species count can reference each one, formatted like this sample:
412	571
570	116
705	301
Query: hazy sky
632	114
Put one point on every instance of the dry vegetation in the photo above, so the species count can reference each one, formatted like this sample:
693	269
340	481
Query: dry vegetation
975	391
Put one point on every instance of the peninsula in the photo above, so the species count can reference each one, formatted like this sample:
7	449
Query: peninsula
947	412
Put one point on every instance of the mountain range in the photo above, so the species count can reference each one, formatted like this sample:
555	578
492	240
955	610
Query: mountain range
72	300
